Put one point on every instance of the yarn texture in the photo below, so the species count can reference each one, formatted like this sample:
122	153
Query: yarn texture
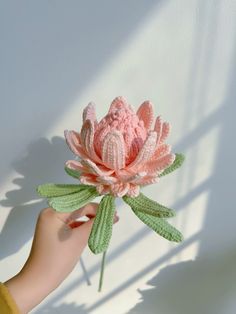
121	152
117	157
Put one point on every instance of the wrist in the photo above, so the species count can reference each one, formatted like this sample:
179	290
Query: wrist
28	289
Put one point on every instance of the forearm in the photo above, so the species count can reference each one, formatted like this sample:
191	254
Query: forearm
37	279
55	251
29	289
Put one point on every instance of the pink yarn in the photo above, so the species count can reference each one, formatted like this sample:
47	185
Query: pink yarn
121	152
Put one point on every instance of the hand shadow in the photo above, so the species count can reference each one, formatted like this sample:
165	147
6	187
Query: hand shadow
43	163
200	286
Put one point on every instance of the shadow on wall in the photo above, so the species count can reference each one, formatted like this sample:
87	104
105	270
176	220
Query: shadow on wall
44	163
201	286
50	52
208	284
70	308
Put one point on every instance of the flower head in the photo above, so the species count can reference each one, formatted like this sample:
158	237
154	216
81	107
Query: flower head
121	152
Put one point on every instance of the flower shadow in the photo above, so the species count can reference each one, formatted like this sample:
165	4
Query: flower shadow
43	163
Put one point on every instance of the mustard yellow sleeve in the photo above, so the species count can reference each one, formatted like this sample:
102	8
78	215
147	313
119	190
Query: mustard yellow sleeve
7	303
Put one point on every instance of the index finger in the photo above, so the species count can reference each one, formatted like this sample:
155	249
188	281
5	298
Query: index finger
89	209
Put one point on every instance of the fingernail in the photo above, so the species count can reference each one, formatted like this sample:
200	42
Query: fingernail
116	218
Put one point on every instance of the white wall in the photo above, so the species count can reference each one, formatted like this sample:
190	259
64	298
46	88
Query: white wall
56	56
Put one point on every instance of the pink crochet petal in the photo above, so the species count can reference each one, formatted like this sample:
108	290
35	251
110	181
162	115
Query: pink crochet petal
73	141
99	138
87	139
73	136
118	103
89	179
103	189
123	153
113	150
76	165
146	114
120	189
161	150
132	178
162	129
135	147
107	180
165	132
158	127
89	113
148	180
146	152
134	190
96	169
124	172
159	164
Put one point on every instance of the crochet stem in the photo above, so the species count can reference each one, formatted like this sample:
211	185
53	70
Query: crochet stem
102	271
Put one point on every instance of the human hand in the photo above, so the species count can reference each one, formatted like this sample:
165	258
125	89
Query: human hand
57	245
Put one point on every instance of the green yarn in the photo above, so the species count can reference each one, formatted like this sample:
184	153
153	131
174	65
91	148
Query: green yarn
160	226
144	204
71	202
102	226
67	197
53	189
153	214
73	173
70	197
179	159
102	271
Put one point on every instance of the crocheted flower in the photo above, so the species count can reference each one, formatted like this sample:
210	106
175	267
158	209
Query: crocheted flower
117	156
122	152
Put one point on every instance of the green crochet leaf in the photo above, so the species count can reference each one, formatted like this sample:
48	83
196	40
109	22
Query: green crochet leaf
53	189
102	226
179	159
71	202
160	226
144	204
73	173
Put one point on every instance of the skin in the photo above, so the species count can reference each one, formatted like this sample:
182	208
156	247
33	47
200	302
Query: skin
57	245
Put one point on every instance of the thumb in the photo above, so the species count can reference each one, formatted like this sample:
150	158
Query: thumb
83	229
81	233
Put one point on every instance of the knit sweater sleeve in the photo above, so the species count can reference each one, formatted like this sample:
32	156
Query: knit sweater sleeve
7	303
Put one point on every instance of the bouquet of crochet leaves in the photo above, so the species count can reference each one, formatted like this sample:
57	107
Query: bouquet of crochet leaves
116	157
